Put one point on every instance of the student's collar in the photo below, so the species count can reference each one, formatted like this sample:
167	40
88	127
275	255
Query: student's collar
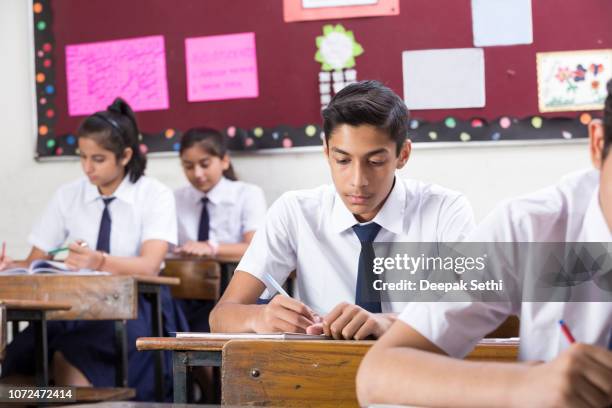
390	216
222	192
125	191
594	227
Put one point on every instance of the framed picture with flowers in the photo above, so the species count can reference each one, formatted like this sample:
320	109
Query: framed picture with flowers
573	80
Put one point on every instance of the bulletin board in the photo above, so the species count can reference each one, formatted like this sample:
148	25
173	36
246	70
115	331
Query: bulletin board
286	111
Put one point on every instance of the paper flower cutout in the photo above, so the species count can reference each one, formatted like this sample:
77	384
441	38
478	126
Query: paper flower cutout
337	48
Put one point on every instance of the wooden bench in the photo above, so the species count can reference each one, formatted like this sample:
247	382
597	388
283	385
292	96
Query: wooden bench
295	373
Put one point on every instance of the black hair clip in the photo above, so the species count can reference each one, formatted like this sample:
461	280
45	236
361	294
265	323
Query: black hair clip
111	122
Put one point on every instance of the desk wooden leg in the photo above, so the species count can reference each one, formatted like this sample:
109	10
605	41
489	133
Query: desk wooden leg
121	368
158	331
42	351
179	366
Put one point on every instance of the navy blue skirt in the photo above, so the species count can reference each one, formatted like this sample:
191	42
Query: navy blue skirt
90	347
197	313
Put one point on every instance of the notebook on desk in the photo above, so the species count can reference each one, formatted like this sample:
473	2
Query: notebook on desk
44	266
251	336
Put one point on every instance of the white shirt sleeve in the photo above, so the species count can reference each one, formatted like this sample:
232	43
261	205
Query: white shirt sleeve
50	231
254	211
159	218
456	220
455	327
273	248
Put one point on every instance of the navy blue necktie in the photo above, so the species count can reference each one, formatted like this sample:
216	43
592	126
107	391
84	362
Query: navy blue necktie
204	227
103	243
365	295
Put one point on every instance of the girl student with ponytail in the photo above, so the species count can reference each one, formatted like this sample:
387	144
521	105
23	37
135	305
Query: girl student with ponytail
115	219
217	215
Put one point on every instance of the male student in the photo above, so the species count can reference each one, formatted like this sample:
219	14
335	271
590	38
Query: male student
326	234
410	364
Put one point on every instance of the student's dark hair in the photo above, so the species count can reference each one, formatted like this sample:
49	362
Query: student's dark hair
607	121
211	141
115	129
368	103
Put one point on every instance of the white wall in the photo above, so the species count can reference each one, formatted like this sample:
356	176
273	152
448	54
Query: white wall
485	174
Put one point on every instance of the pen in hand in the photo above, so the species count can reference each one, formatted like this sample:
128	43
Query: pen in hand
62	249
566	331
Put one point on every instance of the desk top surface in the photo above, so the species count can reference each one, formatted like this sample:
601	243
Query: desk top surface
194	344
20	304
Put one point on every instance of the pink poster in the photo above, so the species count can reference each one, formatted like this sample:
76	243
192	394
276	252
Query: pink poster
221	67
306	10
134	69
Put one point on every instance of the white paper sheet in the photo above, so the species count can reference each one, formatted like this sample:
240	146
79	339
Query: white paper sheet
501	22
444	78
335	3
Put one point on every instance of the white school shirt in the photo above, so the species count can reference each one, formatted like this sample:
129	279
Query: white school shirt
566	212
234	208
141	211
310	231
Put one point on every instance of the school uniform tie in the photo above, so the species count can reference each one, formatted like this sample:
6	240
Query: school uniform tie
103	243
365	295
204	227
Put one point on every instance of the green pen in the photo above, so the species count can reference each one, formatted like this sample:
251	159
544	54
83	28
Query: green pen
62	249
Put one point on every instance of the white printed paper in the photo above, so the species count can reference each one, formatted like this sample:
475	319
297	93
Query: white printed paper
444	78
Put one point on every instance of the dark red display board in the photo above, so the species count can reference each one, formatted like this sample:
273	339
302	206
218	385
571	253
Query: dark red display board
288	74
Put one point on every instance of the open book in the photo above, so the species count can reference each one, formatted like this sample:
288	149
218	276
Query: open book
250	336
44	266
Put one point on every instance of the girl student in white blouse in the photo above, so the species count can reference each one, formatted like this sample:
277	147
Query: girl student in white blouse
114	219
217	214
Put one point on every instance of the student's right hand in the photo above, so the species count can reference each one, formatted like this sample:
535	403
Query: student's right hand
580	377
5	263
284	314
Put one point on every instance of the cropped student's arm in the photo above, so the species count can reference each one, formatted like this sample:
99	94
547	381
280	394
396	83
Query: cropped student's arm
236	311
403	367
152	253
35	253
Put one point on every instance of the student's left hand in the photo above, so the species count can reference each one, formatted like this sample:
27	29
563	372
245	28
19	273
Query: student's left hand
349	321
5	263
82	257
195	248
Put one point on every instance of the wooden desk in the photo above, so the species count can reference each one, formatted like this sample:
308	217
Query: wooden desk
111	297
35	312
238	359
317	373
200	280
185	353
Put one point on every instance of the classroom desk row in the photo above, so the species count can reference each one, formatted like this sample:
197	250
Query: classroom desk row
286	372
38	298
